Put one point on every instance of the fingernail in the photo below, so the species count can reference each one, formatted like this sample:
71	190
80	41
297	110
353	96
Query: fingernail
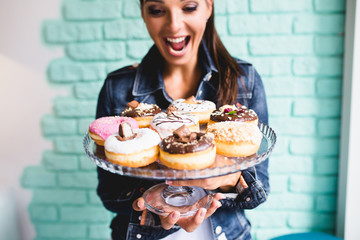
174	215
138	204
202	212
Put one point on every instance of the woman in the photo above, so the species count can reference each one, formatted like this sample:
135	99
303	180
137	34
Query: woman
188	59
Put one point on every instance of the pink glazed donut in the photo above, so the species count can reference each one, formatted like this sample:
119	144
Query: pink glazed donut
102	128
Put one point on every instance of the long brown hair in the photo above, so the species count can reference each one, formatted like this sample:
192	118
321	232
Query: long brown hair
228	69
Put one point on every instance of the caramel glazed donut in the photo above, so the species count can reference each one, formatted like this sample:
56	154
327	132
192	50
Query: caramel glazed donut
200	108
141	112
236	139
187	150
233	113
132	148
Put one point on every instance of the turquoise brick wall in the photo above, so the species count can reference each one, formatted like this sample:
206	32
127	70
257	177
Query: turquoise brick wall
297	47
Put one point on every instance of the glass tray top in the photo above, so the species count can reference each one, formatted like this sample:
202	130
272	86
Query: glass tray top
156	171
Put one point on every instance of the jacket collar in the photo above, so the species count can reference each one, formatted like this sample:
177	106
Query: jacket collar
149	79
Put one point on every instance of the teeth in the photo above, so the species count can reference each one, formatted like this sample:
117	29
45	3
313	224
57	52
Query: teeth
175	40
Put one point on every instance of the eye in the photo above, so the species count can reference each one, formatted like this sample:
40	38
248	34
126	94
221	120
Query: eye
190	8
155	11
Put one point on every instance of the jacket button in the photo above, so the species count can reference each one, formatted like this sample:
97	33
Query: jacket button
218	230
247	199
138	236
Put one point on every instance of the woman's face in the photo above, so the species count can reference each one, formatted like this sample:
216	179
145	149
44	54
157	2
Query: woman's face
177	27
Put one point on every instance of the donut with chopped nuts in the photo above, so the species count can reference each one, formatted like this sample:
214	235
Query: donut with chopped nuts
200	108
141	112
236	139
238	113
187	150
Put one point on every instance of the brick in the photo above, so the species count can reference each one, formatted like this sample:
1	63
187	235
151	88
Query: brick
78	180
60	196
65	32
126	29
52	125
87	90
59	162
317	107
290	201
87	164
66	107
91	10
329	127
131	9
37	176
315	146
294	126
237	46
329	45
96	51
237	6
322	66
279	183
329	5
328	166
280	6
220	7
71	144
43	213
290	86
326	203
282	146
221	24
272	66
61	230
281	45
137	49
64	70
267	219
291	164
311	220
313	184
112	66
324	24
285	103
328	87
247	24
94	198
84	214
99	231
83	125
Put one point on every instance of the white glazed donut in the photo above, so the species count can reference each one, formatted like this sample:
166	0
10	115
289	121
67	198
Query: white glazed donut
165	124
137	152
200	108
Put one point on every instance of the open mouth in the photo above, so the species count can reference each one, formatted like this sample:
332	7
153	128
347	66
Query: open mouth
177	45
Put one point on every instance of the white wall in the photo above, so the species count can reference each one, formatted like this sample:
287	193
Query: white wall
25	97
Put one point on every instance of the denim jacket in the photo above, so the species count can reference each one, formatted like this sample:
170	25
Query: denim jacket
144	83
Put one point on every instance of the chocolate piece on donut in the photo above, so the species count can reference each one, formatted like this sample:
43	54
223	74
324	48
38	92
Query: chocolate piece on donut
170	110
125	132
182	132
133	104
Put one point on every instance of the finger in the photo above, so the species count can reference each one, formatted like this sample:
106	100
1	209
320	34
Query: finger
196	221
169	221
213	207
139	204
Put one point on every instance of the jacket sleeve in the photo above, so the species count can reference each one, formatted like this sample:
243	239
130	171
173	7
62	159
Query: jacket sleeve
115	191
257	177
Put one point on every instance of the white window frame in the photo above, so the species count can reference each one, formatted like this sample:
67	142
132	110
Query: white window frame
348	207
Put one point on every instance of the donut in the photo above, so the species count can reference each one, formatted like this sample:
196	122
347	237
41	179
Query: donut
165	123
238	113
236	139
103	127
141	112
186	150
132	147
200	108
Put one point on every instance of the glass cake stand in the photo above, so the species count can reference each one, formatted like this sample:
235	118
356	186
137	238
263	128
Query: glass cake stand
163	198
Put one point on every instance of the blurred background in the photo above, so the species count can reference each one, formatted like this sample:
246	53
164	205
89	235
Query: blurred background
54	56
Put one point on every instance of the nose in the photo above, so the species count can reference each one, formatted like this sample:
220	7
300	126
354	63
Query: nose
175	21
